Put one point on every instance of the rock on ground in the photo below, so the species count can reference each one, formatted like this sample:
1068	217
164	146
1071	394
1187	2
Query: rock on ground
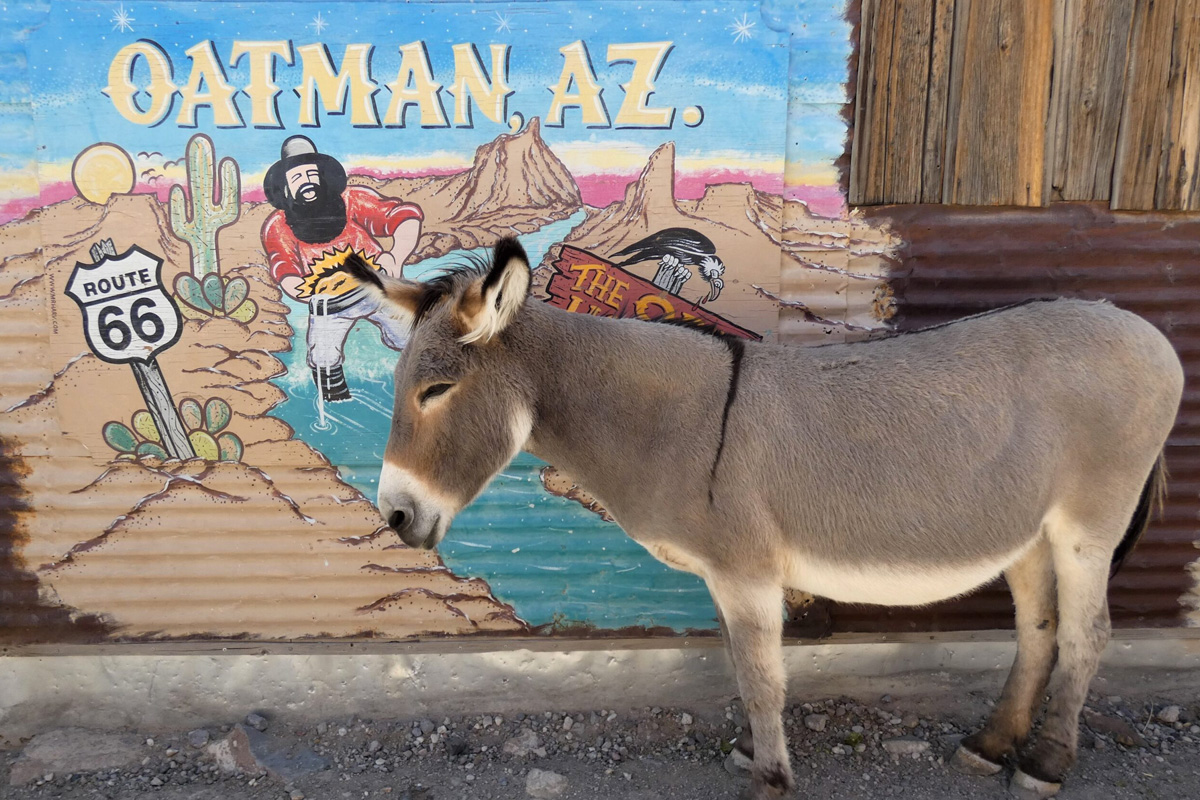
905	745
523	744
816	722
75	750
543	785
252	752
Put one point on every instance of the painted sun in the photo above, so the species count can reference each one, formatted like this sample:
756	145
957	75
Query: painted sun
101	171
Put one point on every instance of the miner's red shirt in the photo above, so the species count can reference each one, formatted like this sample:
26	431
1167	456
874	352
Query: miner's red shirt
368	214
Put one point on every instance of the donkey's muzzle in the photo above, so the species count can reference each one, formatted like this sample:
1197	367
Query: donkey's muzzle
404	520
412	509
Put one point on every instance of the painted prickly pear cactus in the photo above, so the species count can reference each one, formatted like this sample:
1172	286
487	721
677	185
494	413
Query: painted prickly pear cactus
214	296
199	229
206	431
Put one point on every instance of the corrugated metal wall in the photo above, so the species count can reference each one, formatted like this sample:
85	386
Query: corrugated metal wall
959	261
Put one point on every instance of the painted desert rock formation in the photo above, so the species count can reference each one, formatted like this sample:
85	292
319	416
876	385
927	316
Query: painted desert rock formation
820	278
516	184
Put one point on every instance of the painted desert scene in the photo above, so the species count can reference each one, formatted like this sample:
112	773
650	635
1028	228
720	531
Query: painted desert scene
199	398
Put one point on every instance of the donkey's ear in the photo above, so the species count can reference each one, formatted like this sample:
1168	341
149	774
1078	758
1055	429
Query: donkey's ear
397	295
492	301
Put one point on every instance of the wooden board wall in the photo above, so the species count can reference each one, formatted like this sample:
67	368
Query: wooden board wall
1013	102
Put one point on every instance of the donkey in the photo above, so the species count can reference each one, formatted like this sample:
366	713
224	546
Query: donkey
900	471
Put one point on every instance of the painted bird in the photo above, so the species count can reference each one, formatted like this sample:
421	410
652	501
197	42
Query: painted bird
676	249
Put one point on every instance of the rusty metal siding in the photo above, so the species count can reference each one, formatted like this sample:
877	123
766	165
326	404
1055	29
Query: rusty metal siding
956	261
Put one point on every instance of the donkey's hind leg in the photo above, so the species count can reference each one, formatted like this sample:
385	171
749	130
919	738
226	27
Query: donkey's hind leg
1031	580
1081	567
754	621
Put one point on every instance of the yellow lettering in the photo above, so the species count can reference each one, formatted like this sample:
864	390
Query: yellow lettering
646	301
352	82
575	303
584	270
262	90
647	59
596	284
471	82
414	85
122	90
615	296
577	71
208	86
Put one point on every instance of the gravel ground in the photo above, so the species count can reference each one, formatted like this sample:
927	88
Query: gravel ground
841	748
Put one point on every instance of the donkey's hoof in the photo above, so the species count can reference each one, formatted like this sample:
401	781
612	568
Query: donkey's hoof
738	764
1026	787
968	762
763	791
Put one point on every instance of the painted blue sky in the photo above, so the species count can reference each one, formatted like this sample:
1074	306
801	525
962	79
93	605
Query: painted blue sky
768	75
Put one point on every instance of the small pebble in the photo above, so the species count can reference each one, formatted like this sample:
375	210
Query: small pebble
905	746
816	722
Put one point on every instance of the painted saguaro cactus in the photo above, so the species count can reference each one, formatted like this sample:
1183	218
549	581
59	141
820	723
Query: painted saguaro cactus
199	229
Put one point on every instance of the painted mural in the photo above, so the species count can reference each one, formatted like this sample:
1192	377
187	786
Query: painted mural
201	427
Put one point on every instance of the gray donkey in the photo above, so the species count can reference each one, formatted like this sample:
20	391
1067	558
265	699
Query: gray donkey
901	471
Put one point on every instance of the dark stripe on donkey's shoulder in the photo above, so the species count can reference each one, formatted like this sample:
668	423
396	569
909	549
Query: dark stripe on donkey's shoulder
737	349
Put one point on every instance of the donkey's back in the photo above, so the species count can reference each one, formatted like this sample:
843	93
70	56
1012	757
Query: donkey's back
948	448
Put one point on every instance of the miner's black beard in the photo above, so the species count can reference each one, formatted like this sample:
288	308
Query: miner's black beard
318	220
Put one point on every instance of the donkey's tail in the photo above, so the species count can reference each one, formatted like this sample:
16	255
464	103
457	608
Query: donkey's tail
1150	505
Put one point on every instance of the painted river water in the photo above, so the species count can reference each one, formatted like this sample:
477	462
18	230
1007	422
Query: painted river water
548	557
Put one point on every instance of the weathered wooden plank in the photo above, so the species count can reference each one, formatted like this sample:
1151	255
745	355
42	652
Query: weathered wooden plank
999	120
868	156
1145	113
908	86
958	60
1178	179
888	151
942	36
1091	44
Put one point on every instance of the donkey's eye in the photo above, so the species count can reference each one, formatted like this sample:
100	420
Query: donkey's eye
435	390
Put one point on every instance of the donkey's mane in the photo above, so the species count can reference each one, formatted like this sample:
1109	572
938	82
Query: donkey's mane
883	334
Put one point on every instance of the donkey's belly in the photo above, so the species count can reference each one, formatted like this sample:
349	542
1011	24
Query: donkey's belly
894	584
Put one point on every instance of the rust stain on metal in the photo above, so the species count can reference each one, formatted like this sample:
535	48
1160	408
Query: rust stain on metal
958	261
25	616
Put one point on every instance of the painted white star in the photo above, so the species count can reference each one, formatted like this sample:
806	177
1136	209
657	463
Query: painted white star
741	29
503	23
318	24
121	20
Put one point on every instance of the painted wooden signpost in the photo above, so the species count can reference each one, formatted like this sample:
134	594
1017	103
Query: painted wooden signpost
588	284
129	318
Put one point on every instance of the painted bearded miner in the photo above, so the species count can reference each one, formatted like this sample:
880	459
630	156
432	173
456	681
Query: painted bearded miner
319	221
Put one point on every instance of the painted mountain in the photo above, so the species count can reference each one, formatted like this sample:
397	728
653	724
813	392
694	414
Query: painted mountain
515	185
788	272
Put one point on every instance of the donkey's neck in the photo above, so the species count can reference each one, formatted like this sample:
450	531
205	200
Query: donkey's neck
632	411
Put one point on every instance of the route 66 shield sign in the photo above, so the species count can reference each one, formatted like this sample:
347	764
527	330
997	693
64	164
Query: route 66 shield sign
127	314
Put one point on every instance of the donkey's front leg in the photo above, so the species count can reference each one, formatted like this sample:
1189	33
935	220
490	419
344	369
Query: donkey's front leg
754	620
